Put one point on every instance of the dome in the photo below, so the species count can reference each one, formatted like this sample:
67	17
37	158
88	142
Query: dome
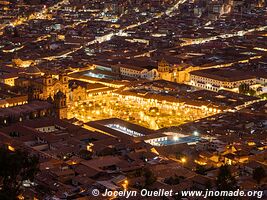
33	70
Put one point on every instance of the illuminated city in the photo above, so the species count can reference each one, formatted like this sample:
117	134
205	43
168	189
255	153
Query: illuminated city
144	99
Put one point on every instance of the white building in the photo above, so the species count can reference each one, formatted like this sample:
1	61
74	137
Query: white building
218	79
138	72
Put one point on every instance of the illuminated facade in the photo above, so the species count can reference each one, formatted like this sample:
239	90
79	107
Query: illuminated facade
8	80
178	73
214	84
138	72
164	71
13	101
51	86
42	86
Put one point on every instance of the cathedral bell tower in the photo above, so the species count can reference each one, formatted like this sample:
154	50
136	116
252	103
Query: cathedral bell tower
60	105
63	78
48	80
163	67
164	70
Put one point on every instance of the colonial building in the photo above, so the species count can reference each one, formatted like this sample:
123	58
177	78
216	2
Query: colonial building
51	85
164	71
8	79
218	79
138	72
42	86
178	73
31	110
82	91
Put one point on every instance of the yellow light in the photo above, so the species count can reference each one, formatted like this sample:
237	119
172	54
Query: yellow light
125	184
10	148
89	147
20	197
251	143
153	150
200	162
175	138
183	160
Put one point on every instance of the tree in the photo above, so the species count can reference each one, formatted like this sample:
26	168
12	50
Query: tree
244	88
225	180
259	174
252	92
263	96
15	167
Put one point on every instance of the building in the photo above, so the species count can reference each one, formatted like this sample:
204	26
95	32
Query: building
11	101
164	71
178	73
40	85
52	85
138	72
10	97
82	91
31	110
8	79
221	79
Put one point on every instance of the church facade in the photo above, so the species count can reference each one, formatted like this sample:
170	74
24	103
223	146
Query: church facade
42	86
179	73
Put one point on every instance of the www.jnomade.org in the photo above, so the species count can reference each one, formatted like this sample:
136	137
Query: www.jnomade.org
187	193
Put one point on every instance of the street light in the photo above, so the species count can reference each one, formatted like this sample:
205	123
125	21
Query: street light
195	133
125	184
183	160
175	138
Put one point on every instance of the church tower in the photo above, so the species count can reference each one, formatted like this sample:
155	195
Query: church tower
60	105
63	78
164	70
163	66
64	81
47	86
48	80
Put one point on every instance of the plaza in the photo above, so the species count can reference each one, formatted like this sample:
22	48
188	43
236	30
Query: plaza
148	113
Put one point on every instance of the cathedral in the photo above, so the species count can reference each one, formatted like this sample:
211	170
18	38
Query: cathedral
42	86
178	73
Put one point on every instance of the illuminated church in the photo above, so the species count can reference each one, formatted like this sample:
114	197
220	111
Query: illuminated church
178	73
42	86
